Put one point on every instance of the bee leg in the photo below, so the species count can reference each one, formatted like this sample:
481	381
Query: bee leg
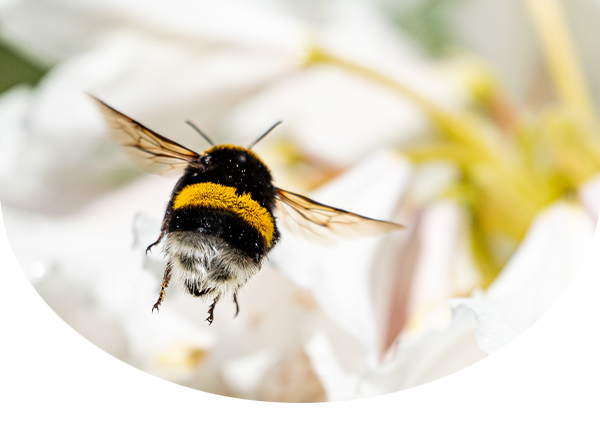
237	306
163	285
162	234
211	310
163	230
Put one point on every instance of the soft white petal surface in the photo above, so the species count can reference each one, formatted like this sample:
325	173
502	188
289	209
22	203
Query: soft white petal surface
535	277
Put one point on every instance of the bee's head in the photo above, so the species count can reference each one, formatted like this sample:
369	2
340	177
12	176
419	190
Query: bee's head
234	165
229	154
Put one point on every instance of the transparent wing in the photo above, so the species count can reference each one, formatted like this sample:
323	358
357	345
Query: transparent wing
148	149
317	221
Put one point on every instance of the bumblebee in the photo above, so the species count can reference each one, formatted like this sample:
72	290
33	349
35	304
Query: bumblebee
220	222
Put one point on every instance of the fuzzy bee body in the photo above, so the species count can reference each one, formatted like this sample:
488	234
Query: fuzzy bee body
220	221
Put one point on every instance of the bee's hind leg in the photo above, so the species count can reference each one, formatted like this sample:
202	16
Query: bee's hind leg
163	285
211	310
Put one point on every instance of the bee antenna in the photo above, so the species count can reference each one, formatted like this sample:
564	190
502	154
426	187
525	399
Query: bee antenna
264	134
191	124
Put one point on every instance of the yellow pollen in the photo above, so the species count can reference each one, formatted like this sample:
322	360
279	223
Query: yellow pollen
214	196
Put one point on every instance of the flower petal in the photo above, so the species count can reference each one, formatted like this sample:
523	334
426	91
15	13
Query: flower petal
535	277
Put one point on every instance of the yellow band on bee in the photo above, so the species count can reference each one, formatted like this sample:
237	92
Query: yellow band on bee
214	196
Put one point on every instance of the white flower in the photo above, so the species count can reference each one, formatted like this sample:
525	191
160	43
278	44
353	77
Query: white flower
538	273
162	66
340	277
359	319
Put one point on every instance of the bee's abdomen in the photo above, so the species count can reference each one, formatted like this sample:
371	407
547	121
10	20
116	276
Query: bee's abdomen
209	195
219	210
206	266
221	224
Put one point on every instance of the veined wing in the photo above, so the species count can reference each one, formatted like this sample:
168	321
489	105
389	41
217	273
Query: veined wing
315	220
150	150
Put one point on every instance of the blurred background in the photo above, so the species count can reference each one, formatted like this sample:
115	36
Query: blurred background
473	123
